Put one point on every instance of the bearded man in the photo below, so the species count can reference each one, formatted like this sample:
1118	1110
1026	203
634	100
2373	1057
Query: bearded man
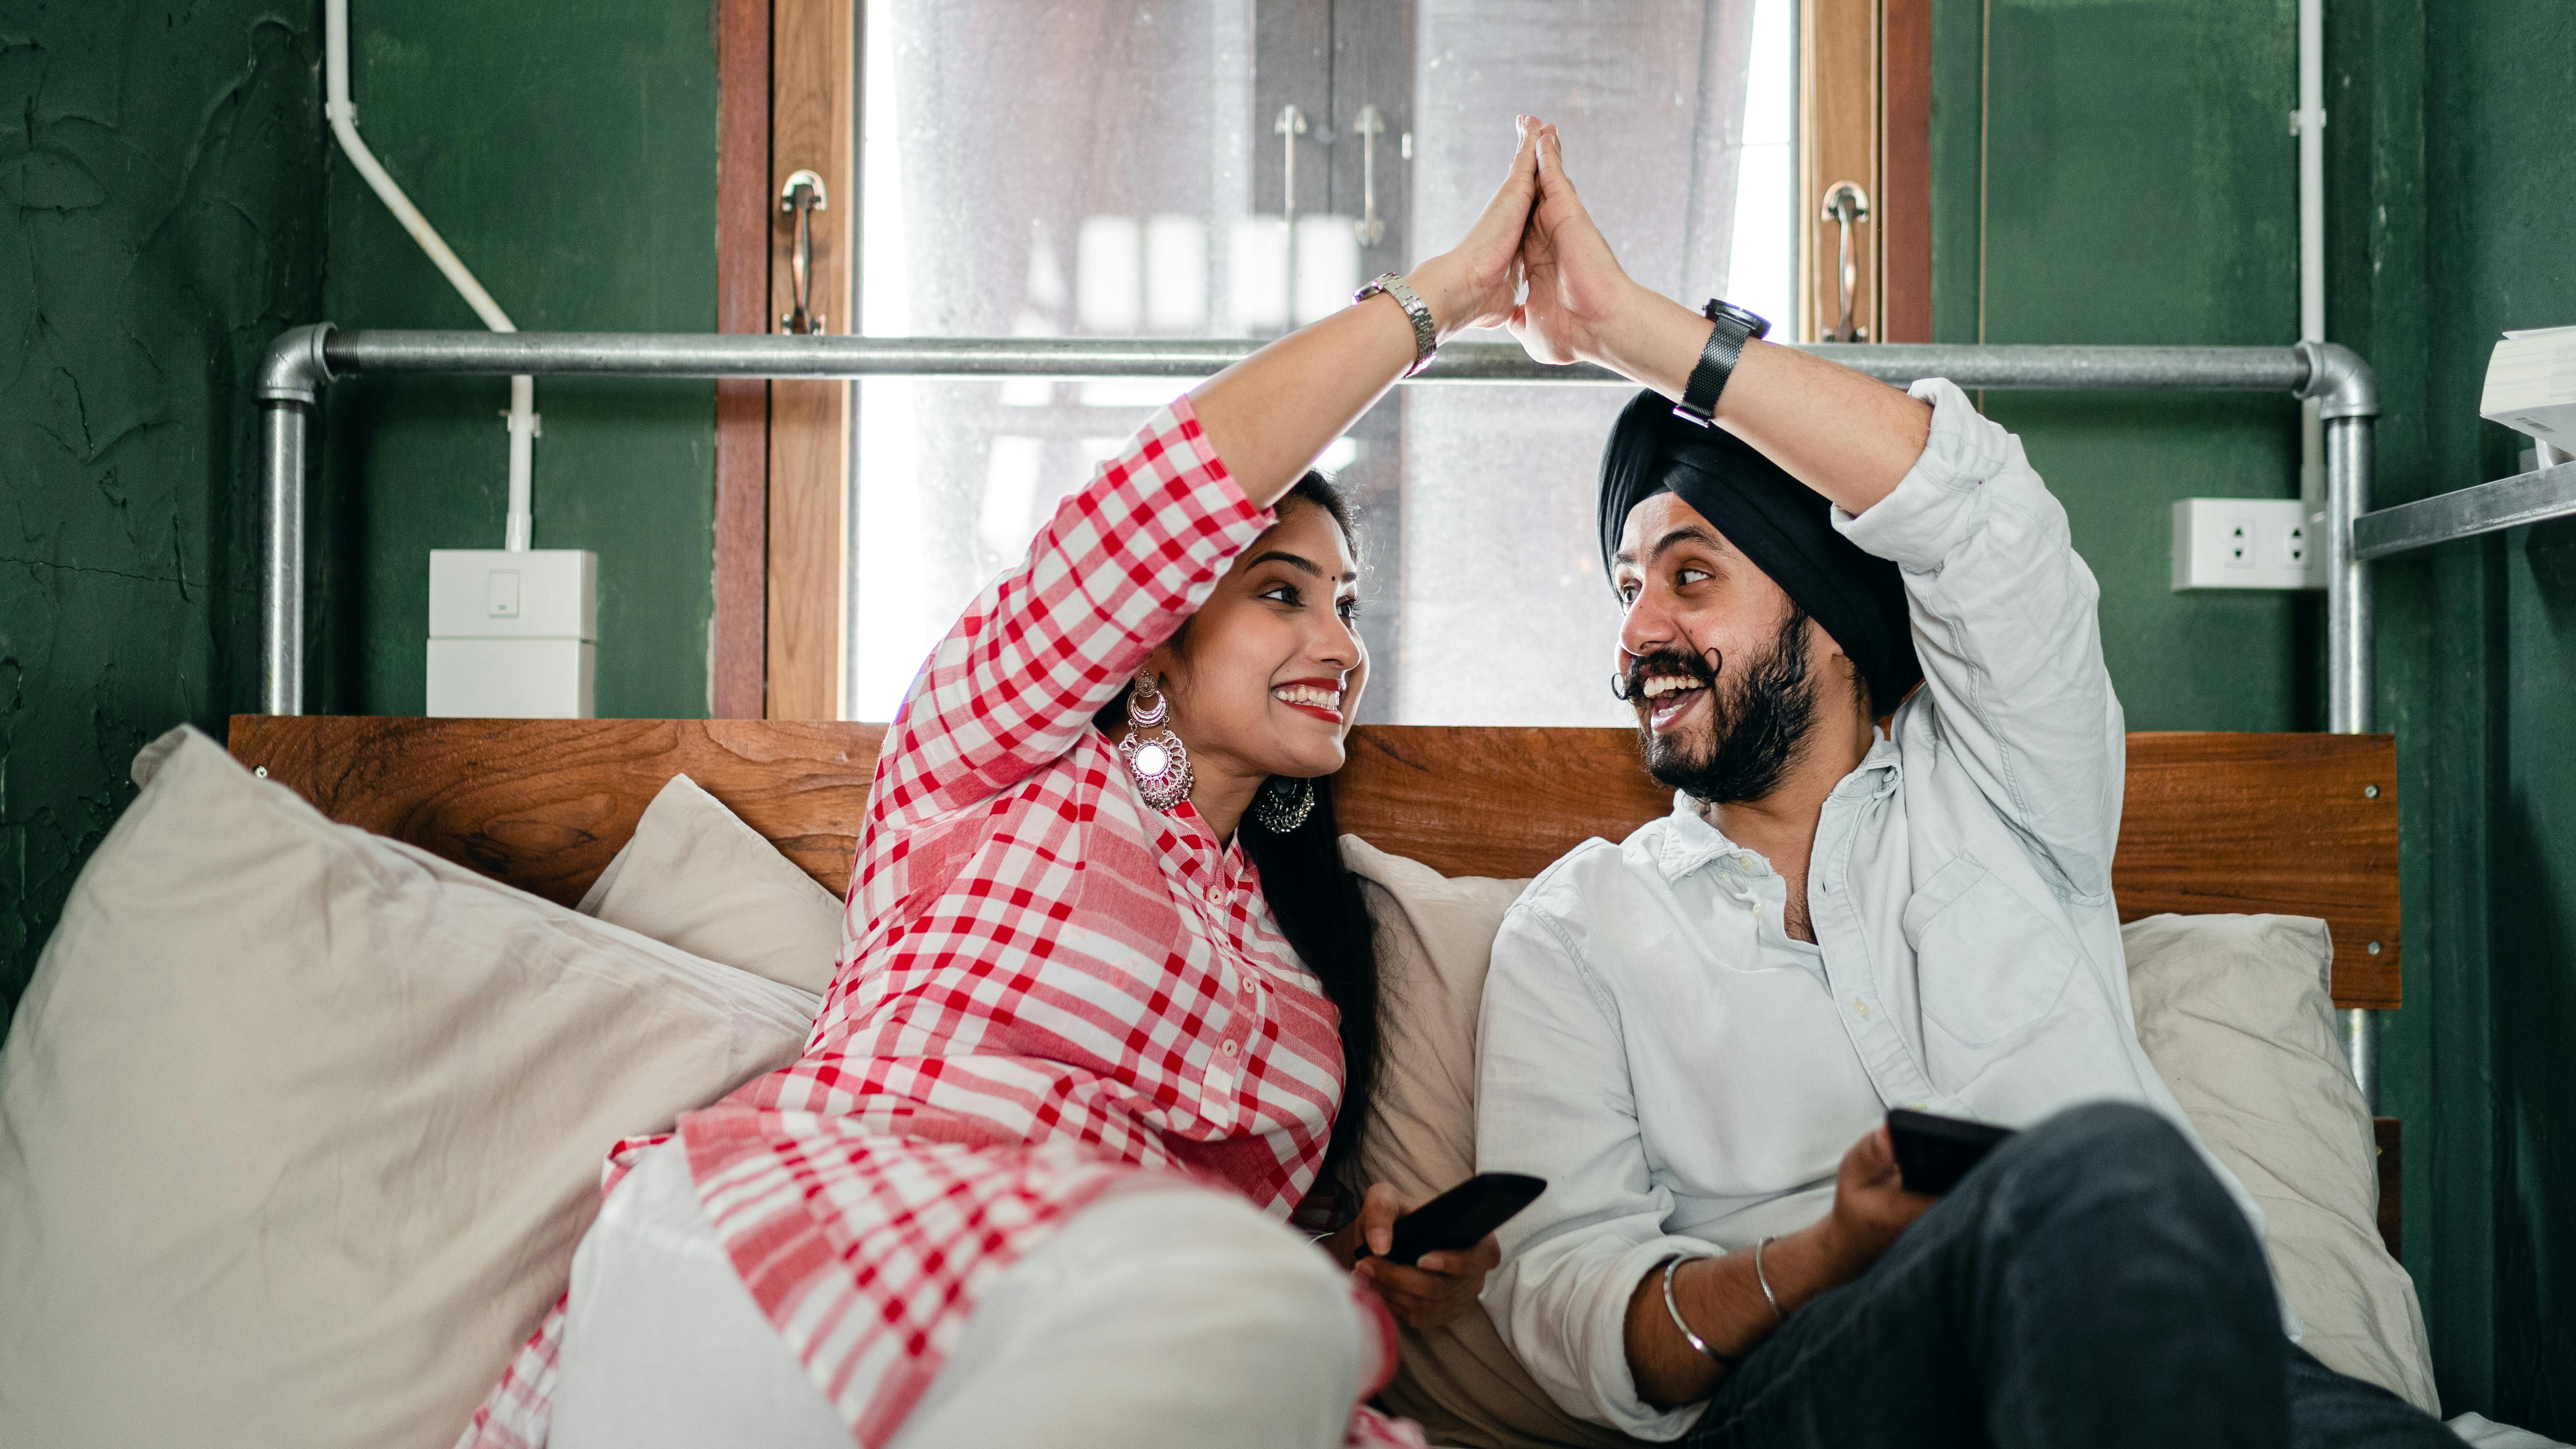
1863	652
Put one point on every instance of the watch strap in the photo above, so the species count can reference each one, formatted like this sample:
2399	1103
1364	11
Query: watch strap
1426	333
1729	329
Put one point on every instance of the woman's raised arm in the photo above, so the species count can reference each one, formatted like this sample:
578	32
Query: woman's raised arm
1128	557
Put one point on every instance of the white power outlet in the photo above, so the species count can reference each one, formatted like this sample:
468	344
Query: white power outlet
2245	543
512	635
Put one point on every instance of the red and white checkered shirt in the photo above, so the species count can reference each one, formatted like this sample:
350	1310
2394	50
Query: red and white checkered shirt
1047	989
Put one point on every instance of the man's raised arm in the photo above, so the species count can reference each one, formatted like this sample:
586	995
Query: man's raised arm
2003	611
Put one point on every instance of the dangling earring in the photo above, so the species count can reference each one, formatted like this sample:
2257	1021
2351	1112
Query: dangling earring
1283	804
1158	762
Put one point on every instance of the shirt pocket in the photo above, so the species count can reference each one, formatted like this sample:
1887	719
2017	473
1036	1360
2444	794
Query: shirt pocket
1987	962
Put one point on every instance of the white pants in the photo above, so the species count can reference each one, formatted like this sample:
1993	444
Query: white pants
1176	1316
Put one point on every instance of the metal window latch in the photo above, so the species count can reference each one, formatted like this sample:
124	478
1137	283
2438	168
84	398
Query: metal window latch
1847	205
803	195
1370	124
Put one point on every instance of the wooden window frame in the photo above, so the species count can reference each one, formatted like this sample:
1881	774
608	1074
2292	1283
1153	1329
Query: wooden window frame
738	634
787	82
1865	115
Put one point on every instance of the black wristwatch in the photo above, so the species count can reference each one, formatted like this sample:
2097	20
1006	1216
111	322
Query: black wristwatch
1735	327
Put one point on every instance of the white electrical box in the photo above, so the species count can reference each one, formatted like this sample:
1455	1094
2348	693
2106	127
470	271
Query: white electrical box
2247	543
512	635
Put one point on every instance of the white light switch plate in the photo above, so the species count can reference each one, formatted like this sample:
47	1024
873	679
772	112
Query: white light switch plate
2247	543
538	593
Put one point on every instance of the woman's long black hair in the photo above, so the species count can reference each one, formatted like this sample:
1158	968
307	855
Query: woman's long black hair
1317	902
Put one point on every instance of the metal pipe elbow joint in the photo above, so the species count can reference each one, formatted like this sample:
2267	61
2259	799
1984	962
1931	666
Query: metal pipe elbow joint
2339	380
295	369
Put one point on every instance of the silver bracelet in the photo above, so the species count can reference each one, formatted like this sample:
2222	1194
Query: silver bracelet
1765	1280
1426	333
1672	1265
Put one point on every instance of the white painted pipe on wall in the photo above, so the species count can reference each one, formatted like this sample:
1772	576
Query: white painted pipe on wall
2308	123
523	390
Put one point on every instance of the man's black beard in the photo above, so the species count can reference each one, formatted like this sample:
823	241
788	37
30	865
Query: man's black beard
1756	727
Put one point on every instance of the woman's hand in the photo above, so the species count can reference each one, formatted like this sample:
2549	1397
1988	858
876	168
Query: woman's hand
1477	282
1439	1288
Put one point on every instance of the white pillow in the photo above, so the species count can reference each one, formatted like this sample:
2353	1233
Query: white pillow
2235	1013
1435	938
2232	1009
299	1126
697	878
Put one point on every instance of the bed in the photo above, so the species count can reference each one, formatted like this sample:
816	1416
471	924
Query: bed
2294	824
302	1116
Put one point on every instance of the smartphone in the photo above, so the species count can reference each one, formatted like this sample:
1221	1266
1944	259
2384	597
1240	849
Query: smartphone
1933	1153
1461	1217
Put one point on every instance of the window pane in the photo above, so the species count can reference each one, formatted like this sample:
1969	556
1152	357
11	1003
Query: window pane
1028	170
1089	167
1502	560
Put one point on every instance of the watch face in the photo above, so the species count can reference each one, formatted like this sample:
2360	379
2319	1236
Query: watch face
1756	326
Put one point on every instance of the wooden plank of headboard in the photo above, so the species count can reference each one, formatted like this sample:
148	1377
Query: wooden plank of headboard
544	804
2298	824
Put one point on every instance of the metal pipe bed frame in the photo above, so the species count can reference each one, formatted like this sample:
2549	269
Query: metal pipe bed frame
305	360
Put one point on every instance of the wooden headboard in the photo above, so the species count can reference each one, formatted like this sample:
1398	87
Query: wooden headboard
2297	824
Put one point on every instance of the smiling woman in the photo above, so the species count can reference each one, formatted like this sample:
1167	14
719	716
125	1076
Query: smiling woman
1260	687
1122	998
1266	677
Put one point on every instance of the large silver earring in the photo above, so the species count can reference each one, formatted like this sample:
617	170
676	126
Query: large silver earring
1156	759
1283	804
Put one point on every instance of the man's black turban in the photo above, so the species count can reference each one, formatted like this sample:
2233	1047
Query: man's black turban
1783	526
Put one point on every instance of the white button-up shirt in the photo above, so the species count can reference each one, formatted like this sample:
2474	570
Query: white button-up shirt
1687	1077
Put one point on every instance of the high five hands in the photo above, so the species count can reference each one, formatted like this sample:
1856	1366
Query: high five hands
1572	282
1840	432
1533	262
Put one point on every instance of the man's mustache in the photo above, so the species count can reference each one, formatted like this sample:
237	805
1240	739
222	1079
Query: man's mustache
1629	684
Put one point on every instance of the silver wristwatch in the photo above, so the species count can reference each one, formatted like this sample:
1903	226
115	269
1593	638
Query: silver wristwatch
1426	333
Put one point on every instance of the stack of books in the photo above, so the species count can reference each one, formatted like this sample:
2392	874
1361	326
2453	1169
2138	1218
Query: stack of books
2531	386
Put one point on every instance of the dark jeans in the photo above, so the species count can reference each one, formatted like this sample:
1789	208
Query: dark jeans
2089	1286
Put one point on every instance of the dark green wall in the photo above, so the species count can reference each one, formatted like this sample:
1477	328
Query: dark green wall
168	190
160	221
2139	186
2455	218
567	151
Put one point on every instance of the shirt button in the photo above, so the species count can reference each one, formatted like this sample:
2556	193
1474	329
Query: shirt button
1216	895
1860	1008
1230	1048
